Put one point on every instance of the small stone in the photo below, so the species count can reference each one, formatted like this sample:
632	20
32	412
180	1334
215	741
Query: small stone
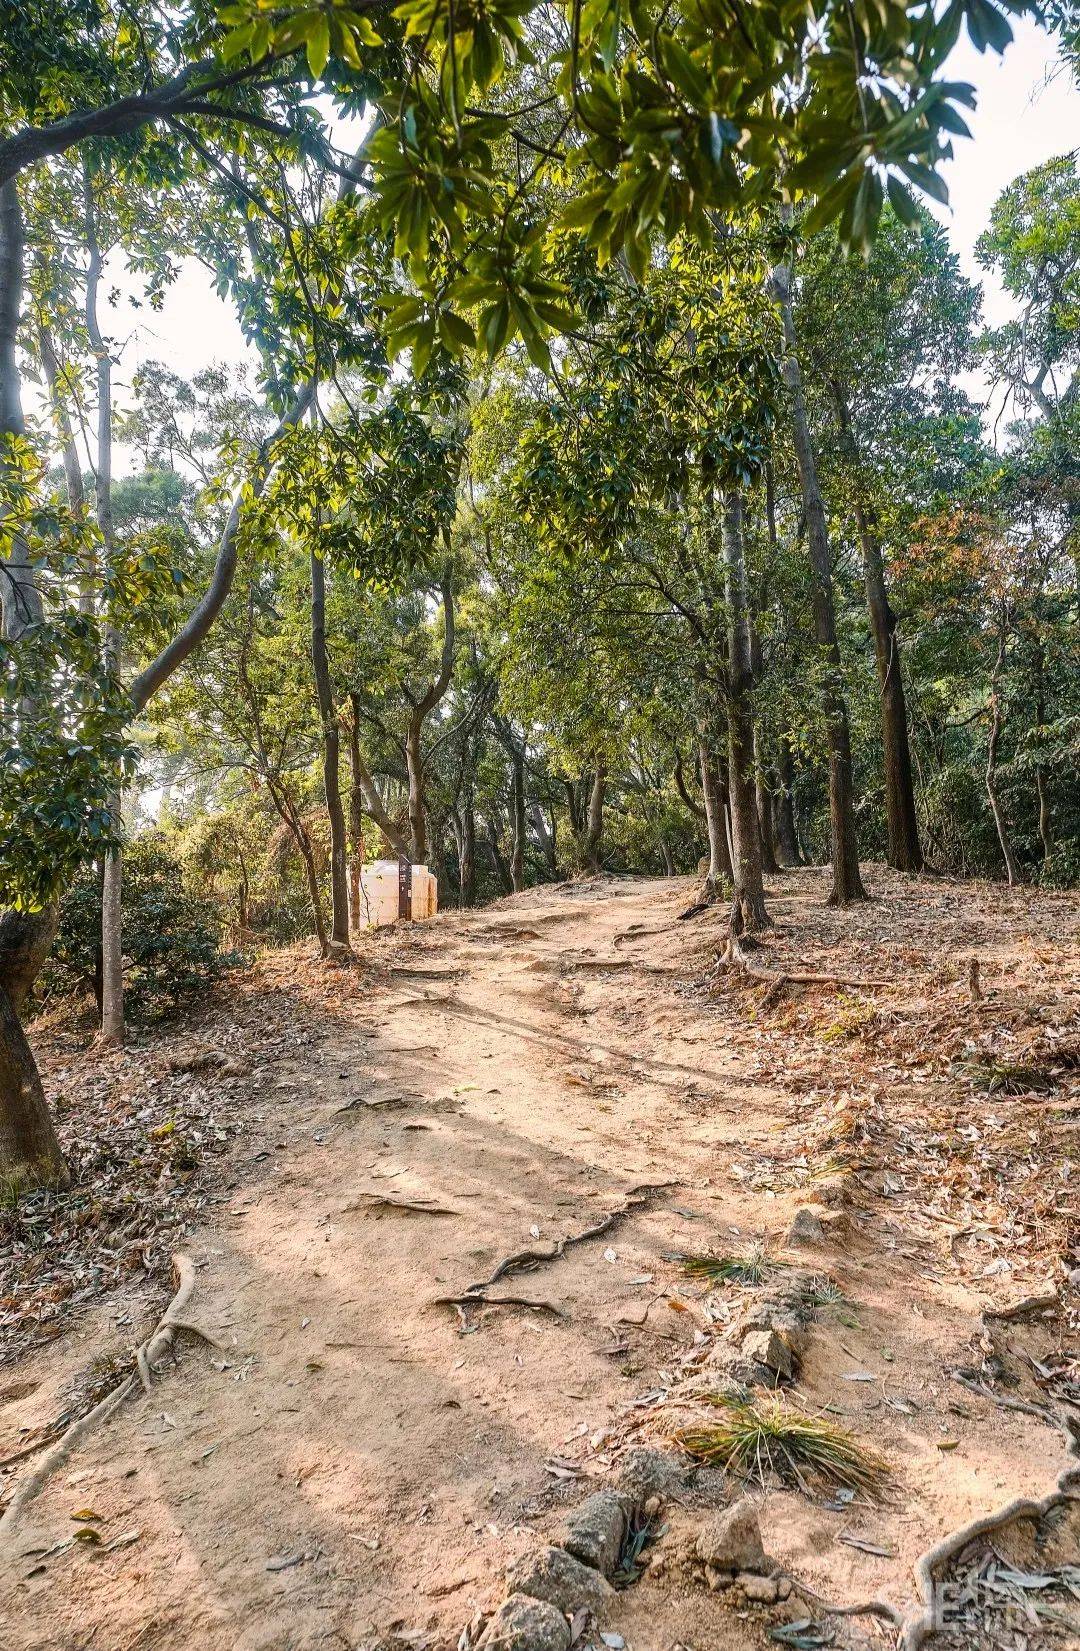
644	1472
806	1228
595	1531
556	1576
760	1590
783	1587
652	1506
522	1624
717	1580
731	1541
657	1565
767	1348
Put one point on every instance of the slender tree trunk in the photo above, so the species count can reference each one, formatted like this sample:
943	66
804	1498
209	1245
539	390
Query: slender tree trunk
997	723
331	740
721	871
467	850
112	950
373	801
417	818
847	882
502	870
356	824
763	795
787	839
517	864
29	1150
545	836
422	707
1046	828
905	850
746	844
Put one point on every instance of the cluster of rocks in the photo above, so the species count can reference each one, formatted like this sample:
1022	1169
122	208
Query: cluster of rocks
550	1588
770	1336
726	1552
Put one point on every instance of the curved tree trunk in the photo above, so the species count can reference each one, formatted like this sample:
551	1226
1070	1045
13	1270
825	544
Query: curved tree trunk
746	843
844	852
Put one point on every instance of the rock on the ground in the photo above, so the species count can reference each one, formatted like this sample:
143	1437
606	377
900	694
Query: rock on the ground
760	1590
731	1541
595	1531
524	1624
644	1473
806	1228
767	1347
562	1580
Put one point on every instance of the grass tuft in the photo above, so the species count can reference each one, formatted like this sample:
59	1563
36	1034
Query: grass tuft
755	1441
1007	1077
751	1268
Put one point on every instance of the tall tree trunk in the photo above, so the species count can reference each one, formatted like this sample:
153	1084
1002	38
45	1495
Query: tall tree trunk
847	882
592	827
517	864
764	798
112	950
331	740
29	1150
787	838
721	871
420	710
415	764
356	825
502	870
997	723
746	844
905	850
467	851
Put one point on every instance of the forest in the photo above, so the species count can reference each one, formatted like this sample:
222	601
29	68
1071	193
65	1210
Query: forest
626	481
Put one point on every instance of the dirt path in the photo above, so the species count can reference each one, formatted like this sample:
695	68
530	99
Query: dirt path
358	1464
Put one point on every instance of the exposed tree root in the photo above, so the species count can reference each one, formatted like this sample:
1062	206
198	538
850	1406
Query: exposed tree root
734	957
862	1608
464	1302
526	1261
158	1343
917	1628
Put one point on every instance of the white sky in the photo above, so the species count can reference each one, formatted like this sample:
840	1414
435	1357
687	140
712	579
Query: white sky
1028	111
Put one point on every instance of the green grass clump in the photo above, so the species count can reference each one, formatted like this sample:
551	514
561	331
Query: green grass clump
753	1267
755	1441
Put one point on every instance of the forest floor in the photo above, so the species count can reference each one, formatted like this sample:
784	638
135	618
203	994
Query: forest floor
357	1462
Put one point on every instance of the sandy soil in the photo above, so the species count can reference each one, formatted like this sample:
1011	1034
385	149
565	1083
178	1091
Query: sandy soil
356	1463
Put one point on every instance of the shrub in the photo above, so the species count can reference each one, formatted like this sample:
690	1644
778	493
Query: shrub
171	937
